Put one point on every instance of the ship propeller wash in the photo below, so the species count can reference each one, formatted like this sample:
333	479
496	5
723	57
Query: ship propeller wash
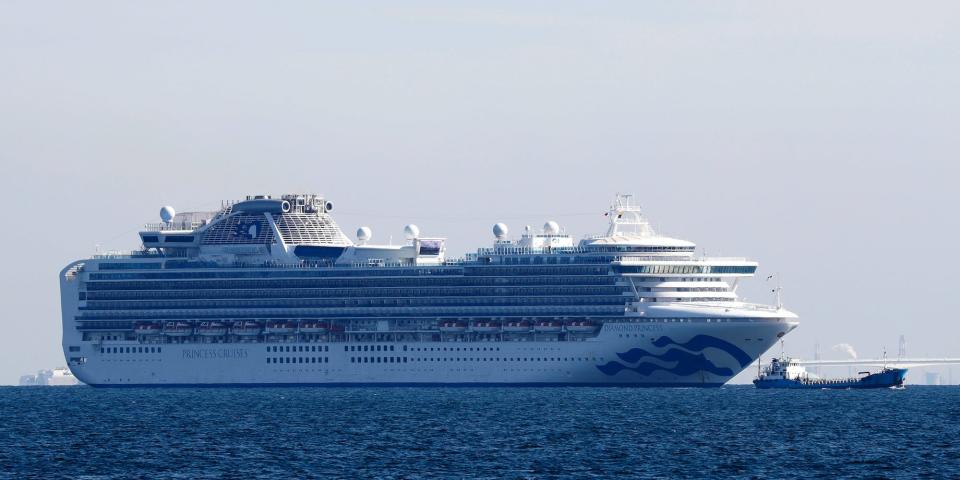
270	291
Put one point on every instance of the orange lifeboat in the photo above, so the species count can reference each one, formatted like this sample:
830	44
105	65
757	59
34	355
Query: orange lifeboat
246	328
313	327
177	329
581	327
486	327
517	327
280	328
146	329
211	329
453	327
547	327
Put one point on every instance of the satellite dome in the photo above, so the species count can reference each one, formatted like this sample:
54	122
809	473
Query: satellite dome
364	234
551	228
167	213
411	231
500	231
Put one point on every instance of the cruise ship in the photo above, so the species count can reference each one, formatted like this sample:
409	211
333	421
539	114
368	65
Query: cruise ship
270	291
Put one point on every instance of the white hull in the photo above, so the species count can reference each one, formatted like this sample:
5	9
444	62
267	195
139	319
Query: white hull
533	362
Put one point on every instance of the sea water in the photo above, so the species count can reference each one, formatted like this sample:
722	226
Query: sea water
737	431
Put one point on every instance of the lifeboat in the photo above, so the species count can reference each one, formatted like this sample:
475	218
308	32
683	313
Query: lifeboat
547	327
280	327
313	327
245	328
177	329
485	327
146	329
581	327
517	327
452	327
211	329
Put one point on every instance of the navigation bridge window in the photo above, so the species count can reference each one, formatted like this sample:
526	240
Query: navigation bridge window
675	269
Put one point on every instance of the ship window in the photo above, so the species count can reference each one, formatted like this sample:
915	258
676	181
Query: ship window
158	349
178	239
326	359
101	350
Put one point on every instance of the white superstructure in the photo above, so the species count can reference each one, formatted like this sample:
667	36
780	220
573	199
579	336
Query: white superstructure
270	291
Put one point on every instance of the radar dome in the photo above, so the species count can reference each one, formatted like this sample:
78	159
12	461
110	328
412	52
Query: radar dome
411	231
551	228
167	213
364	234
500	231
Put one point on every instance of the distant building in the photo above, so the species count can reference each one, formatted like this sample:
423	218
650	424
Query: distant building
58	377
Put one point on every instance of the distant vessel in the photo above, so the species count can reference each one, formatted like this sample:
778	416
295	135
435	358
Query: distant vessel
788	373
270	291
58	377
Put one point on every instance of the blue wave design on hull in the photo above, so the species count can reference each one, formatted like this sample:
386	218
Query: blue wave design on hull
686	363
700	342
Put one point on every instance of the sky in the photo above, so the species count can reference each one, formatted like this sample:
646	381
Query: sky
818	138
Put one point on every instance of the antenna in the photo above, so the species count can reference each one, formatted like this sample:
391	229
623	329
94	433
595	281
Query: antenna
902	352
779	293
816	356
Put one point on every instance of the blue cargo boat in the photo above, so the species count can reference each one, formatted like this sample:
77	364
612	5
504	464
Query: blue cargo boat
788	373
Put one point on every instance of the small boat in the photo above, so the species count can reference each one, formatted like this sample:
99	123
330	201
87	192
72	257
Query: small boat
581	327
246	328
313	327
517	327
453	327
280	328
146	329
177	329
211	329
547	327
788	373
485	327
